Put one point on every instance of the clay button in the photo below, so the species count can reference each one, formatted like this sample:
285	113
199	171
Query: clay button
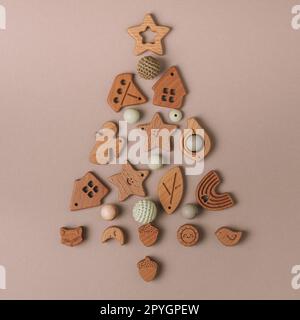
188	235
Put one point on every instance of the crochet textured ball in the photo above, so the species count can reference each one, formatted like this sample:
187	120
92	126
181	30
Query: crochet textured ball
144	211
148	67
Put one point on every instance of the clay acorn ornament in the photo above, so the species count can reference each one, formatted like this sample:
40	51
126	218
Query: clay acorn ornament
71	236
148	234
147	269
207	195
228	237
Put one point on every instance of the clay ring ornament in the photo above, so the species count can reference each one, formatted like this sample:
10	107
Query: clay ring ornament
194	144
207	195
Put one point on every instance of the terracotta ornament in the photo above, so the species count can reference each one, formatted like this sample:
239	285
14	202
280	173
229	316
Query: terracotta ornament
188	235
207	195
148	234
113	233
170	190
155	133
88	192
124	92
203	141
129	181
71	236
140	45
147	269
169	90
228	237
108	145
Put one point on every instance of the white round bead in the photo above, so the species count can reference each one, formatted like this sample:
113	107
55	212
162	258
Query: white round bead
131	116
189	211
155	162
175	115
194	143
109	212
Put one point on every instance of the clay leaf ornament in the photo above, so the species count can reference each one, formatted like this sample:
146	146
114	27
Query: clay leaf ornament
129	181
140	45
170	190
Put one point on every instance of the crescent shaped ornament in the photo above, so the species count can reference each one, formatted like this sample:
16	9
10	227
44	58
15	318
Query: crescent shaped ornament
113	233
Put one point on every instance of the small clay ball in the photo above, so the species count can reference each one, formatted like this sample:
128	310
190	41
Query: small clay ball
144	211
175	115
148	68
131	116
109	212
189	211
194	143
155	162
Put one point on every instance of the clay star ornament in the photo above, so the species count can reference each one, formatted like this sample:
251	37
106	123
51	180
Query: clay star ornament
129	181
154	132
156	46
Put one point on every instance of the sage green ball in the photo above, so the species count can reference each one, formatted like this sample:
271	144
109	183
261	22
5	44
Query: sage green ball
155	162
189	211
131	115
144	211
175	115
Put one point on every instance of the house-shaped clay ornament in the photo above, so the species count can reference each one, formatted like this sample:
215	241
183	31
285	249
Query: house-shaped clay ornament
88	192
169	90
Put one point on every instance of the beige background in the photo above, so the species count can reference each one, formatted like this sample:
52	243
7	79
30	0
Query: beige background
240	61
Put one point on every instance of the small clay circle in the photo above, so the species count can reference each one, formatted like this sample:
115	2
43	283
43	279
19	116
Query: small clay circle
109	212
188	235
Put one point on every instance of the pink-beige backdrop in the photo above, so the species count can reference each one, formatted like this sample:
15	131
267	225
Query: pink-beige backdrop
240	61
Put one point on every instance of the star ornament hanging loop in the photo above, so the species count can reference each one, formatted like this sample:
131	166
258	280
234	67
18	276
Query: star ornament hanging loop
156	46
